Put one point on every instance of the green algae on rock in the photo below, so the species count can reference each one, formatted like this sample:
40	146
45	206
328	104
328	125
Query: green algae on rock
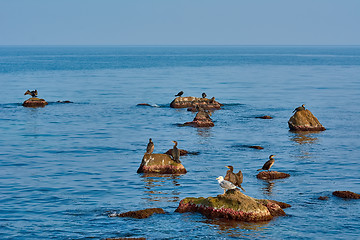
233	205
160	163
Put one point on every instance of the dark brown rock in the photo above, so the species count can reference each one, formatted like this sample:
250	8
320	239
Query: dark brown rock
304	121
256	147
182	152
233	205
265	117
202	119
140	213
125	238
323	198
143	104
160	163
191	102
35	102
66	101
346	194
281	204
268	175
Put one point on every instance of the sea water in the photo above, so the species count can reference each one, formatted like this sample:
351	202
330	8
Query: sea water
65	167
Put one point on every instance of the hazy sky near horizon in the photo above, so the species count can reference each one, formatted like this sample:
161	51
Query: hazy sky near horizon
181	22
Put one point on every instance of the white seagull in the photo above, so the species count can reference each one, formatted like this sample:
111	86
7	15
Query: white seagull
226	185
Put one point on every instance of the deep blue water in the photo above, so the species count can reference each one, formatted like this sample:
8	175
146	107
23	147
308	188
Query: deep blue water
65	167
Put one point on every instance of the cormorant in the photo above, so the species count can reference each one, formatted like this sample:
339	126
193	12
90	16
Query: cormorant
150	147
32	93
268	164
203	95
235	178
226	185
212	100
175	153
179	94
299	108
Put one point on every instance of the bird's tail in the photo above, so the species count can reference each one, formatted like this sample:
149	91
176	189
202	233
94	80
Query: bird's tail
259	169
242	188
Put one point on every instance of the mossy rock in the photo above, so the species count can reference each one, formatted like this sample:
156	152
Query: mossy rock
160	163
304	120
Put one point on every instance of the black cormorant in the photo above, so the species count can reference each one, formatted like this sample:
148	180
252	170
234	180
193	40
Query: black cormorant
235	178
150	147
32	93
203	95
268	164
175	153
179	94
299	108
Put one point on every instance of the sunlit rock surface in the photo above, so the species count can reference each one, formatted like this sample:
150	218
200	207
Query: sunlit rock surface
268	175
160	163
233	205
35	102
191	102
305	121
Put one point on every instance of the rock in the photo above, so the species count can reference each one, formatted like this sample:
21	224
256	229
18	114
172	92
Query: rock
268	175
305	121
140	213
191	102
202	119
160	163
264	117
35	102
233	205
143	104
346	194
256	147
323	198
125	238
182	152
66	101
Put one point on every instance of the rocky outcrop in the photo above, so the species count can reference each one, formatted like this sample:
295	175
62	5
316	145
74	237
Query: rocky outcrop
268	175
35	102
346	194
323	198
233	205
202	119
192	102
305	121
140	213
160	163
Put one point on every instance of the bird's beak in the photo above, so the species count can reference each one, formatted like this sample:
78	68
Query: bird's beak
227	167
217	178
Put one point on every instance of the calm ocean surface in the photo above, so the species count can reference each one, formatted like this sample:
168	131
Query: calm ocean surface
65	167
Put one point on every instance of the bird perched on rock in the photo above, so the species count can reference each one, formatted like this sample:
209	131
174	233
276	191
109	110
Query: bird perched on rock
268	164
226	185
212	100
32	93
299	108
203	95
179	94
235	178
176	153
150	147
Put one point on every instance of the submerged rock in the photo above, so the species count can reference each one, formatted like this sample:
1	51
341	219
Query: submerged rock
35	102
143	104
66	101
202	119
268	175
256	147
192	102
323	198
265	117
305	121
140	213
233	205
346	194
126	238
160	163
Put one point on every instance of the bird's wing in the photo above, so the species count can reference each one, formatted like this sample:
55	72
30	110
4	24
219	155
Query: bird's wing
239	178
227	185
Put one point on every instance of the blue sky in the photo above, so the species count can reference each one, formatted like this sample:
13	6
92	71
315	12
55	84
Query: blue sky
185	22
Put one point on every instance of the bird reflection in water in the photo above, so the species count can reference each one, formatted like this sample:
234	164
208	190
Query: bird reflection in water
204	132
237	229
304	137
157	188
267	189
